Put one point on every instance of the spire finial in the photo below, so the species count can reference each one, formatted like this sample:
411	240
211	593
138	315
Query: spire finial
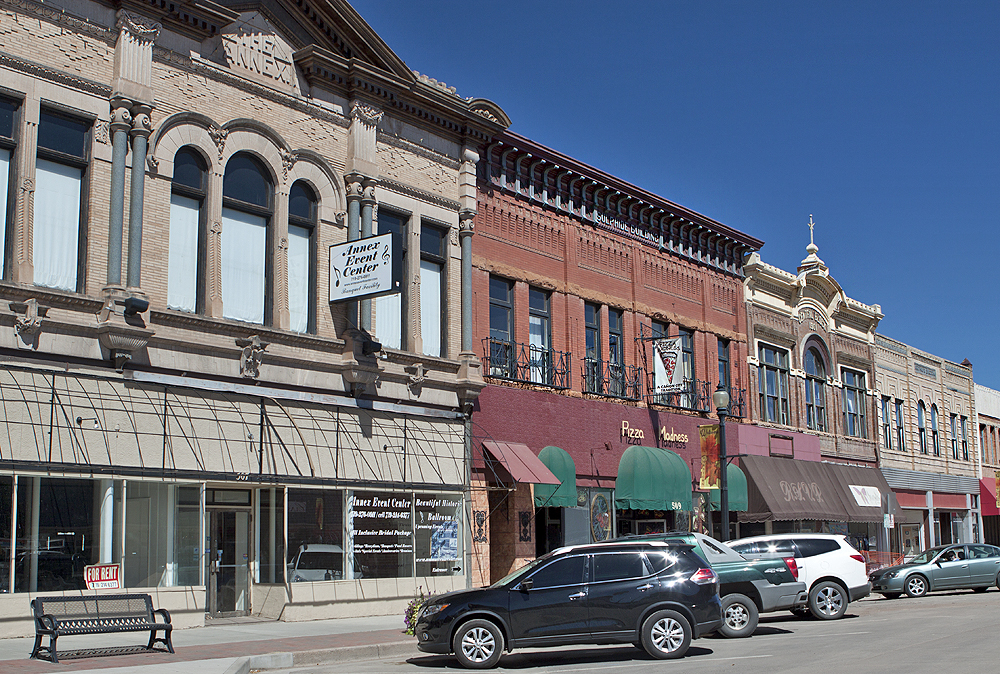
811	225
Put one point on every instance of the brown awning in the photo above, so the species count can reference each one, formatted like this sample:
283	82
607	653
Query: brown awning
866	494
788	489
519	462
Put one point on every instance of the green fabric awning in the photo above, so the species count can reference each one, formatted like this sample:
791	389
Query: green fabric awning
736	484
652	479
562	466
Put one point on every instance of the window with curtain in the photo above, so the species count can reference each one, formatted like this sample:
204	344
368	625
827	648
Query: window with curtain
815	390
854	404
773	384
433	247
592	376
540	335
60	169
616	353
390	309
922	426
965	439
687	366
8	113
302	207
247	198
724	376
886	423
900	435
935	436
954	436
186	244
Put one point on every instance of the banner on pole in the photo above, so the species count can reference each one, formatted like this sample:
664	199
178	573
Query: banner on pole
710	470
667	375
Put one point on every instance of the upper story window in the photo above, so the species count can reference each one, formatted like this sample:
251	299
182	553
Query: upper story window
886	423
922	426
965	439
854	404
982	442
186	247
616	342
247	198
687	367
8	114
724	374
302	209
773	384
815	389
501	352
935	436
60	170
390	309
433	244
592	326
540	334
900	435
953	423
658	328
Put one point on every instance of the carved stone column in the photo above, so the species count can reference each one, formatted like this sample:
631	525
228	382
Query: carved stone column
121	123
354	192
367	209
141	127
466	229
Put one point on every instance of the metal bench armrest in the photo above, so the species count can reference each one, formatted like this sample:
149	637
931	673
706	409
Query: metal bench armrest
164	613
47	622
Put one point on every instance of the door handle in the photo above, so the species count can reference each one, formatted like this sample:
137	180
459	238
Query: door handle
578	595
645	587
965	566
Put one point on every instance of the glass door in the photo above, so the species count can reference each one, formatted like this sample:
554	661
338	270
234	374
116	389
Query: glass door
228	562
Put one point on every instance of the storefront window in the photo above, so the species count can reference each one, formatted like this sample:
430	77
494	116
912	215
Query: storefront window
437	533
161	534
270	535
380	526
62	526
316	536
6	503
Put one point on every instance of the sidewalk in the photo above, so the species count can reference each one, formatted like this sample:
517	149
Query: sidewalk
234	647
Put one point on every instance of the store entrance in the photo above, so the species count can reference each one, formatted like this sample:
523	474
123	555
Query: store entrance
228	573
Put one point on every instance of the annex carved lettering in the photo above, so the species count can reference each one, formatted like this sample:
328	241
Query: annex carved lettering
260	54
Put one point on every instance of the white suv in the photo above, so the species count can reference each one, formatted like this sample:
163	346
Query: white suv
832	569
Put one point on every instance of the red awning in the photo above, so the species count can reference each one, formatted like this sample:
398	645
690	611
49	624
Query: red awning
988	497
520	462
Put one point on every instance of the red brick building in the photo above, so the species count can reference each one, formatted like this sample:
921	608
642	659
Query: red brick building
574	274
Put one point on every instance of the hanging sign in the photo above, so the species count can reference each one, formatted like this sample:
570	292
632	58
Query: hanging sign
365	268
103	576
710	472
667	376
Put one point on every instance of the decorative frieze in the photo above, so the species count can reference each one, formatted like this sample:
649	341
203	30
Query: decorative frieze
251	356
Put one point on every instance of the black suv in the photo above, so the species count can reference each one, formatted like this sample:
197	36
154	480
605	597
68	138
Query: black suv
653	594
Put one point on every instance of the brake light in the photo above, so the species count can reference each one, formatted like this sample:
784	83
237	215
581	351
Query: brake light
860	558
705	577
792	566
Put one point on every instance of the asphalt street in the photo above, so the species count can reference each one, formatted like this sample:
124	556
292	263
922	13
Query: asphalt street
944	632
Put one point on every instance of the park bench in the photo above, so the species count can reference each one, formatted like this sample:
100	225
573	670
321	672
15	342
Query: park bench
102	614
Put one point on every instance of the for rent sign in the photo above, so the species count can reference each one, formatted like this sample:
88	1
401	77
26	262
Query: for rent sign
103	576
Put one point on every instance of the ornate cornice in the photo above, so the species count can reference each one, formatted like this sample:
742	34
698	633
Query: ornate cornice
417	193
421	151
52	75
366	114
60	17
140	28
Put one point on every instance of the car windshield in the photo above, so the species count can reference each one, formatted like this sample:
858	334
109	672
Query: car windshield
925	556
319	561
522	571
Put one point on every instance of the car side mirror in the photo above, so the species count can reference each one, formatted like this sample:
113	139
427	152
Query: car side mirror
527	584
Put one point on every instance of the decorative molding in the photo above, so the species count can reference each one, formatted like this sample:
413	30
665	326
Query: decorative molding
419	150
102	131
219	135
251	356
140	28
153	163
417	193
28	320
45	73
366	114
61	18
288	159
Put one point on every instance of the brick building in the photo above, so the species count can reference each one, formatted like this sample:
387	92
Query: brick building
927	445
576	274
988	422
181	397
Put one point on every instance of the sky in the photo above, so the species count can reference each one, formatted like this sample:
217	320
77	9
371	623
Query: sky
879	119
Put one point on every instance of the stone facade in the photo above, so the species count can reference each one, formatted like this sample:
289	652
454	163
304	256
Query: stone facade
109	382
988	456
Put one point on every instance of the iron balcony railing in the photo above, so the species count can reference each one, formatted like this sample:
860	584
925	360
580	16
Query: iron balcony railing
695	395
611	379
526	363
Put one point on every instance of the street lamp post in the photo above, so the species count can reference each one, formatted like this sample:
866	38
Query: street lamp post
721	400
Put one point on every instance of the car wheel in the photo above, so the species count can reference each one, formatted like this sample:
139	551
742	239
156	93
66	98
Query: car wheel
827	600
916	586
478	644
666	635
739	616
891	595
980	589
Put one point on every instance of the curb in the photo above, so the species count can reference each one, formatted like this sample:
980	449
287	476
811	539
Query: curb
272	661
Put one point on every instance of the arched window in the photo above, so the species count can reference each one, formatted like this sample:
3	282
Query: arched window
301	232
186	246
247	197
934	431
922	426
815	390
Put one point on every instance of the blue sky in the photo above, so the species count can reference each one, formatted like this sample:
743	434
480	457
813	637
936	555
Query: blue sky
881	119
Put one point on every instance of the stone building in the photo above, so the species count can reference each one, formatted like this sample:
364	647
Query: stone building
988	421
181	397
927	450
813	409
576	275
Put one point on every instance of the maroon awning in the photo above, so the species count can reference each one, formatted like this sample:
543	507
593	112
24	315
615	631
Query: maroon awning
520	462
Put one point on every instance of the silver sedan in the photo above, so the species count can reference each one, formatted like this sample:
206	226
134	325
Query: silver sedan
945	567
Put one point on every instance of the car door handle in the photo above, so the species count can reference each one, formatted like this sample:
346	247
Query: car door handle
645	587
965	566
578	595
